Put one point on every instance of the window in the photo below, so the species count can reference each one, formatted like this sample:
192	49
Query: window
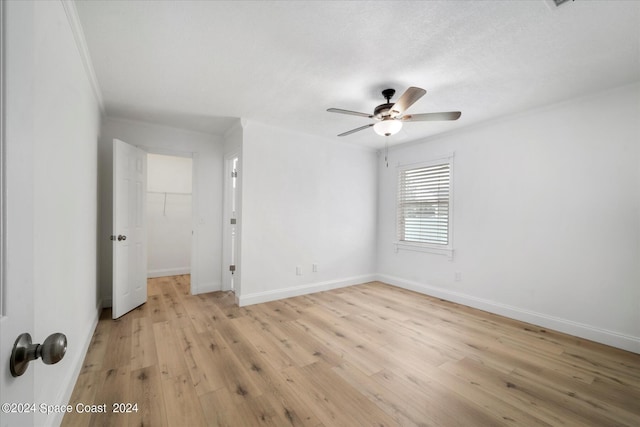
424	206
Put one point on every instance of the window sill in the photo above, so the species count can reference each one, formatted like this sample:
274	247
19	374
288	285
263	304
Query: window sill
416	247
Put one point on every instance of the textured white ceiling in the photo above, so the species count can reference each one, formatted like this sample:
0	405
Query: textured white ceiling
198	64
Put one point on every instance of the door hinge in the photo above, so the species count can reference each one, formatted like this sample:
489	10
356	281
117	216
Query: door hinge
232	268
234	174
233	220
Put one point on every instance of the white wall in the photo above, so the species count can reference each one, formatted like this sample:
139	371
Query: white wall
305	200
169	219
66	126
169	173
546	221
206	152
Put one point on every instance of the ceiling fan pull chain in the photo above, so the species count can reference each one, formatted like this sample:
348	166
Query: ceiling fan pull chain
386	150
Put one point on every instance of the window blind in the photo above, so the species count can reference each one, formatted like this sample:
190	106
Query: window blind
423	204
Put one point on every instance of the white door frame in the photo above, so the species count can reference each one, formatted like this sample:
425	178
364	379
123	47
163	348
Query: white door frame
228	281
193	155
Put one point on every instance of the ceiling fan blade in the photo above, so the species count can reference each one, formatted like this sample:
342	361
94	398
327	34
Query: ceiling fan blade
428	117
408	98
349	132
353	113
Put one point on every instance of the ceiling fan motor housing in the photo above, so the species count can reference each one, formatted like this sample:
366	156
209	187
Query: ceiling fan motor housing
382	110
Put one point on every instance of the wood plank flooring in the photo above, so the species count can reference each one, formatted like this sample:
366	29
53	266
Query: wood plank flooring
367	355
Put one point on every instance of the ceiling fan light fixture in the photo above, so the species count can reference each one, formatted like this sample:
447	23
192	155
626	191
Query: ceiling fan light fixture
387	127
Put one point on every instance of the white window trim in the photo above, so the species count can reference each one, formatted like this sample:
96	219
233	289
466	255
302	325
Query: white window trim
428	247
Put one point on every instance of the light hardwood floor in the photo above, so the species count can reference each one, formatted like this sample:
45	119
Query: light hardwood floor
364	355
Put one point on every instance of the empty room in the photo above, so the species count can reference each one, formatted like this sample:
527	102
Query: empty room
320	213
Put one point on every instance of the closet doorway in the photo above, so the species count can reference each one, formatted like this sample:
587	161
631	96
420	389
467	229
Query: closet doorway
169	215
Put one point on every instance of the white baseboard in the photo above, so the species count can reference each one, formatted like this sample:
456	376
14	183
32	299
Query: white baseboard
294	291
164	272
603	336
55	418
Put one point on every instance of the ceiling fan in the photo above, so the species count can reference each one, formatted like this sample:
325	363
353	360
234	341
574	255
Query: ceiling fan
389	115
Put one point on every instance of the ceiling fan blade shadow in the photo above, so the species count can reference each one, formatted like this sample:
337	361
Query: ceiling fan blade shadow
352	113
408	98
429	117
349	132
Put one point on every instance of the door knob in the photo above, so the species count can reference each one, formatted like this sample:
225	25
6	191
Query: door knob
121	237
52	350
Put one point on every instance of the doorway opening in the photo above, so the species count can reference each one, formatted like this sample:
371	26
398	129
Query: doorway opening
169	215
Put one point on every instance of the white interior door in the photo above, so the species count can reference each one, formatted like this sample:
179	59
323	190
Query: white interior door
16	301
16	208
129	228
16	305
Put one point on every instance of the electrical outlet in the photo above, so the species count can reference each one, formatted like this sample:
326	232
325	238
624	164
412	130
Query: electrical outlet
458	276
314	268
298	270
